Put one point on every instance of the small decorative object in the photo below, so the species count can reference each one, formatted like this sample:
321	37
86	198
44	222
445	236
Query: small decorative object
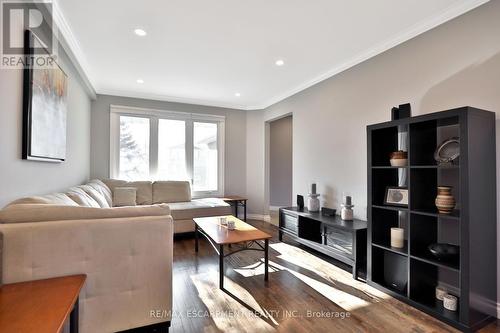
448	151
396	196
313	202
328	211
445	202
300	202
231	225
399	158
346	213
403	111
450	302
397	237
223	220
440	293
445	251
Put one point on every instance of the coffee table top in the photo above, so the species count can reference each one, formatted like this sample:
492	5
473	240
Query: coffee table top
220	234
38	306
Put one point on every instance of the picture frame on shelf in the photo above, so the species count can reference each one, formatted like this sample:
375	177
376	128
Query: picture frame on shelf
396	196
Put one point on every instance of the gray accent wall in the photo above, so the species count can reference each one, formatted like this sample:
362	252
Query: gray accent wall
280	162
20	178
455	64
235	161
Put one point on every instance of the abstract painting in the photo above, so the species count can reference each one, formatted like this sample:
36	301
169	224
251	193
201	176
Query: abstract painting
45	109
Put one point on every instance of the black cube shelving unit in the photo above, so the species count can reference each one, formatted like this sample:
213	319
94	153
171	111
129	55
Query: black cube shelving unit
412	273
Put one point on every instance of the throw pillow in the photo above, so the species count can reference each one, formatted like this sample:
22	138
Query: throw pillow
124	196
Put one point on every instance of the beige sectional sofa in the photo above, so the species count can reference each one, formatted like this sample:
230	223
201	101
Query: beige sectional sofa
126	252
177	194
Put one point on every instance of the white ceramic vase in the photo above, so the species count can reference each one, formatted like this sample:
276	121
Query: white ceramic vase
313	203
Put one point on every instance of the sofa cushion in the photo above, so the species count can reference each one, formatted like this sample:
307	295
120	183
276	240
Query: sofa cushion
144	189
124	196
96	195
81	197
199	208
103	189
54	199
42	212
171	191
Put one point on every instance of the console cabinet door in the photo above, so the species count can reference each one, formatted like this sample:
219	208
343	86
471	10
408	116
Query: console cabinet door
339	241
290	223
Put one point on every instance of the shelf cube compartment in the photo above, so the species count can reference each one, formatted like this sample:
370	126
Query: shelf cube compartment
427	230
383	220
382	178
425	278
426	136
390	270
384	142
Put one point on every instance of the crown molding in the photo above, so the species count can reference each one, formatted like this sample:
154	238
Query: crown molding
171	99
70	44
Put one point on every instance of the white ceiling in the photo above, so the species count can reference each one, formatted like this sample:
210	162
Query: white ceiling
205	51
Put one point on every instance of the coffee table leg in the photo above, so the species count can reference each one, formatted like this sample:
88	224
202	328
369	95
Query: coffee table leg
73	318
266	259
221	266
195	237
245	210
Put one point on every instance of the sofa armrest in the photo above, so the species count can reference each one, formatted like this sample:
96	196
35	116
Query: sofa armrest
22	213
128	262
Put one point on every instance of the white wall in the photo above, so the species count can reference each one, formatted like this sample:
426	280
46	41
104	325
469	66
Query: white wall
235	165
21	178
453	65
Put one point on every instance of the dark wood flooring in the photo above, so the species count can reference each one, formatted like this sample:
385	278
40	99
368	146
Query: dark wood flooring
305	293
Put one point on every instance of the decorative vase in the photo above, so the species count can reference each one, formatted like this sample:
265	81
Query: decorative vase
445	202
313	203
346	213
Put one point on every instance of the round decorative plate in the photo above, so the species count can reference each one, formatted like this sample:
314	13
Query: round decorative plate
448	151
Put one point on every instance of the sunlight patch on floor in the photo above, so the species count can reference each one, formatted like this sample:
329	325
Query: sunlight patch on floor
327	271
343	299
255	269
228	314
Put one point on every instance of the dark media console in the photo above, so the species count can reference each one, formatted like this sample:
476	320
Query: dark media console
344	241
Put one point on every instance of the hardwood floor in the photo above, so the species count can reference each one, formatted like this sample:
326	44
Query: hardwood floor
305	293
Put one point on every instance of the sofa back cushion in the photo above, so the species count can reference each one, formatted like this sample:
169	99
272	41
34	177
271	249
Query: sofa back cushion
104	190
78	195
144	189
171	191
52	199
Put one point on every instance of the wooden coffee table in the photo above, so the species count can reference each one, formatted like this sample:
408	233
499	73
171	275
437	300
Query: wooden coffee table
41	306
219	235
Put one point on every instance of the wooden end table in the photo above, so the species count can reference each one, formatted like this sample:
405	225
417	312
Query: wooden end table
237	201
41	306
219	235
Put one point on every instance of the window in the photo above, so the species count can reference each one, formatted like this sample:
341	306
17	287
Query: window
205	156
163	145
134	148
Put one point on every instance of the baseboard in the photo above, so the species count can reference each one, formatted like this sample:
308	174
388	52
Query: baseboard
260	217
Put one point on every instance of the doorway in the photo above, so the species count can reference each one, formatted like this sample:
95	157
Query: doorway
280	164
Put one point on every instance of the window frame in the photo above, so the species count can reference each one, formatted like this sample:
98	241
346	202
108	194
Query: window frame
154	115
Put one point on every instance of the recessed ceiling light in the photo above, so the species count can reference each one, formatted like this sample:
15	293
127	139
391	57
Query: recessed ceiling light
141	81
237	94
280	62
140	32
